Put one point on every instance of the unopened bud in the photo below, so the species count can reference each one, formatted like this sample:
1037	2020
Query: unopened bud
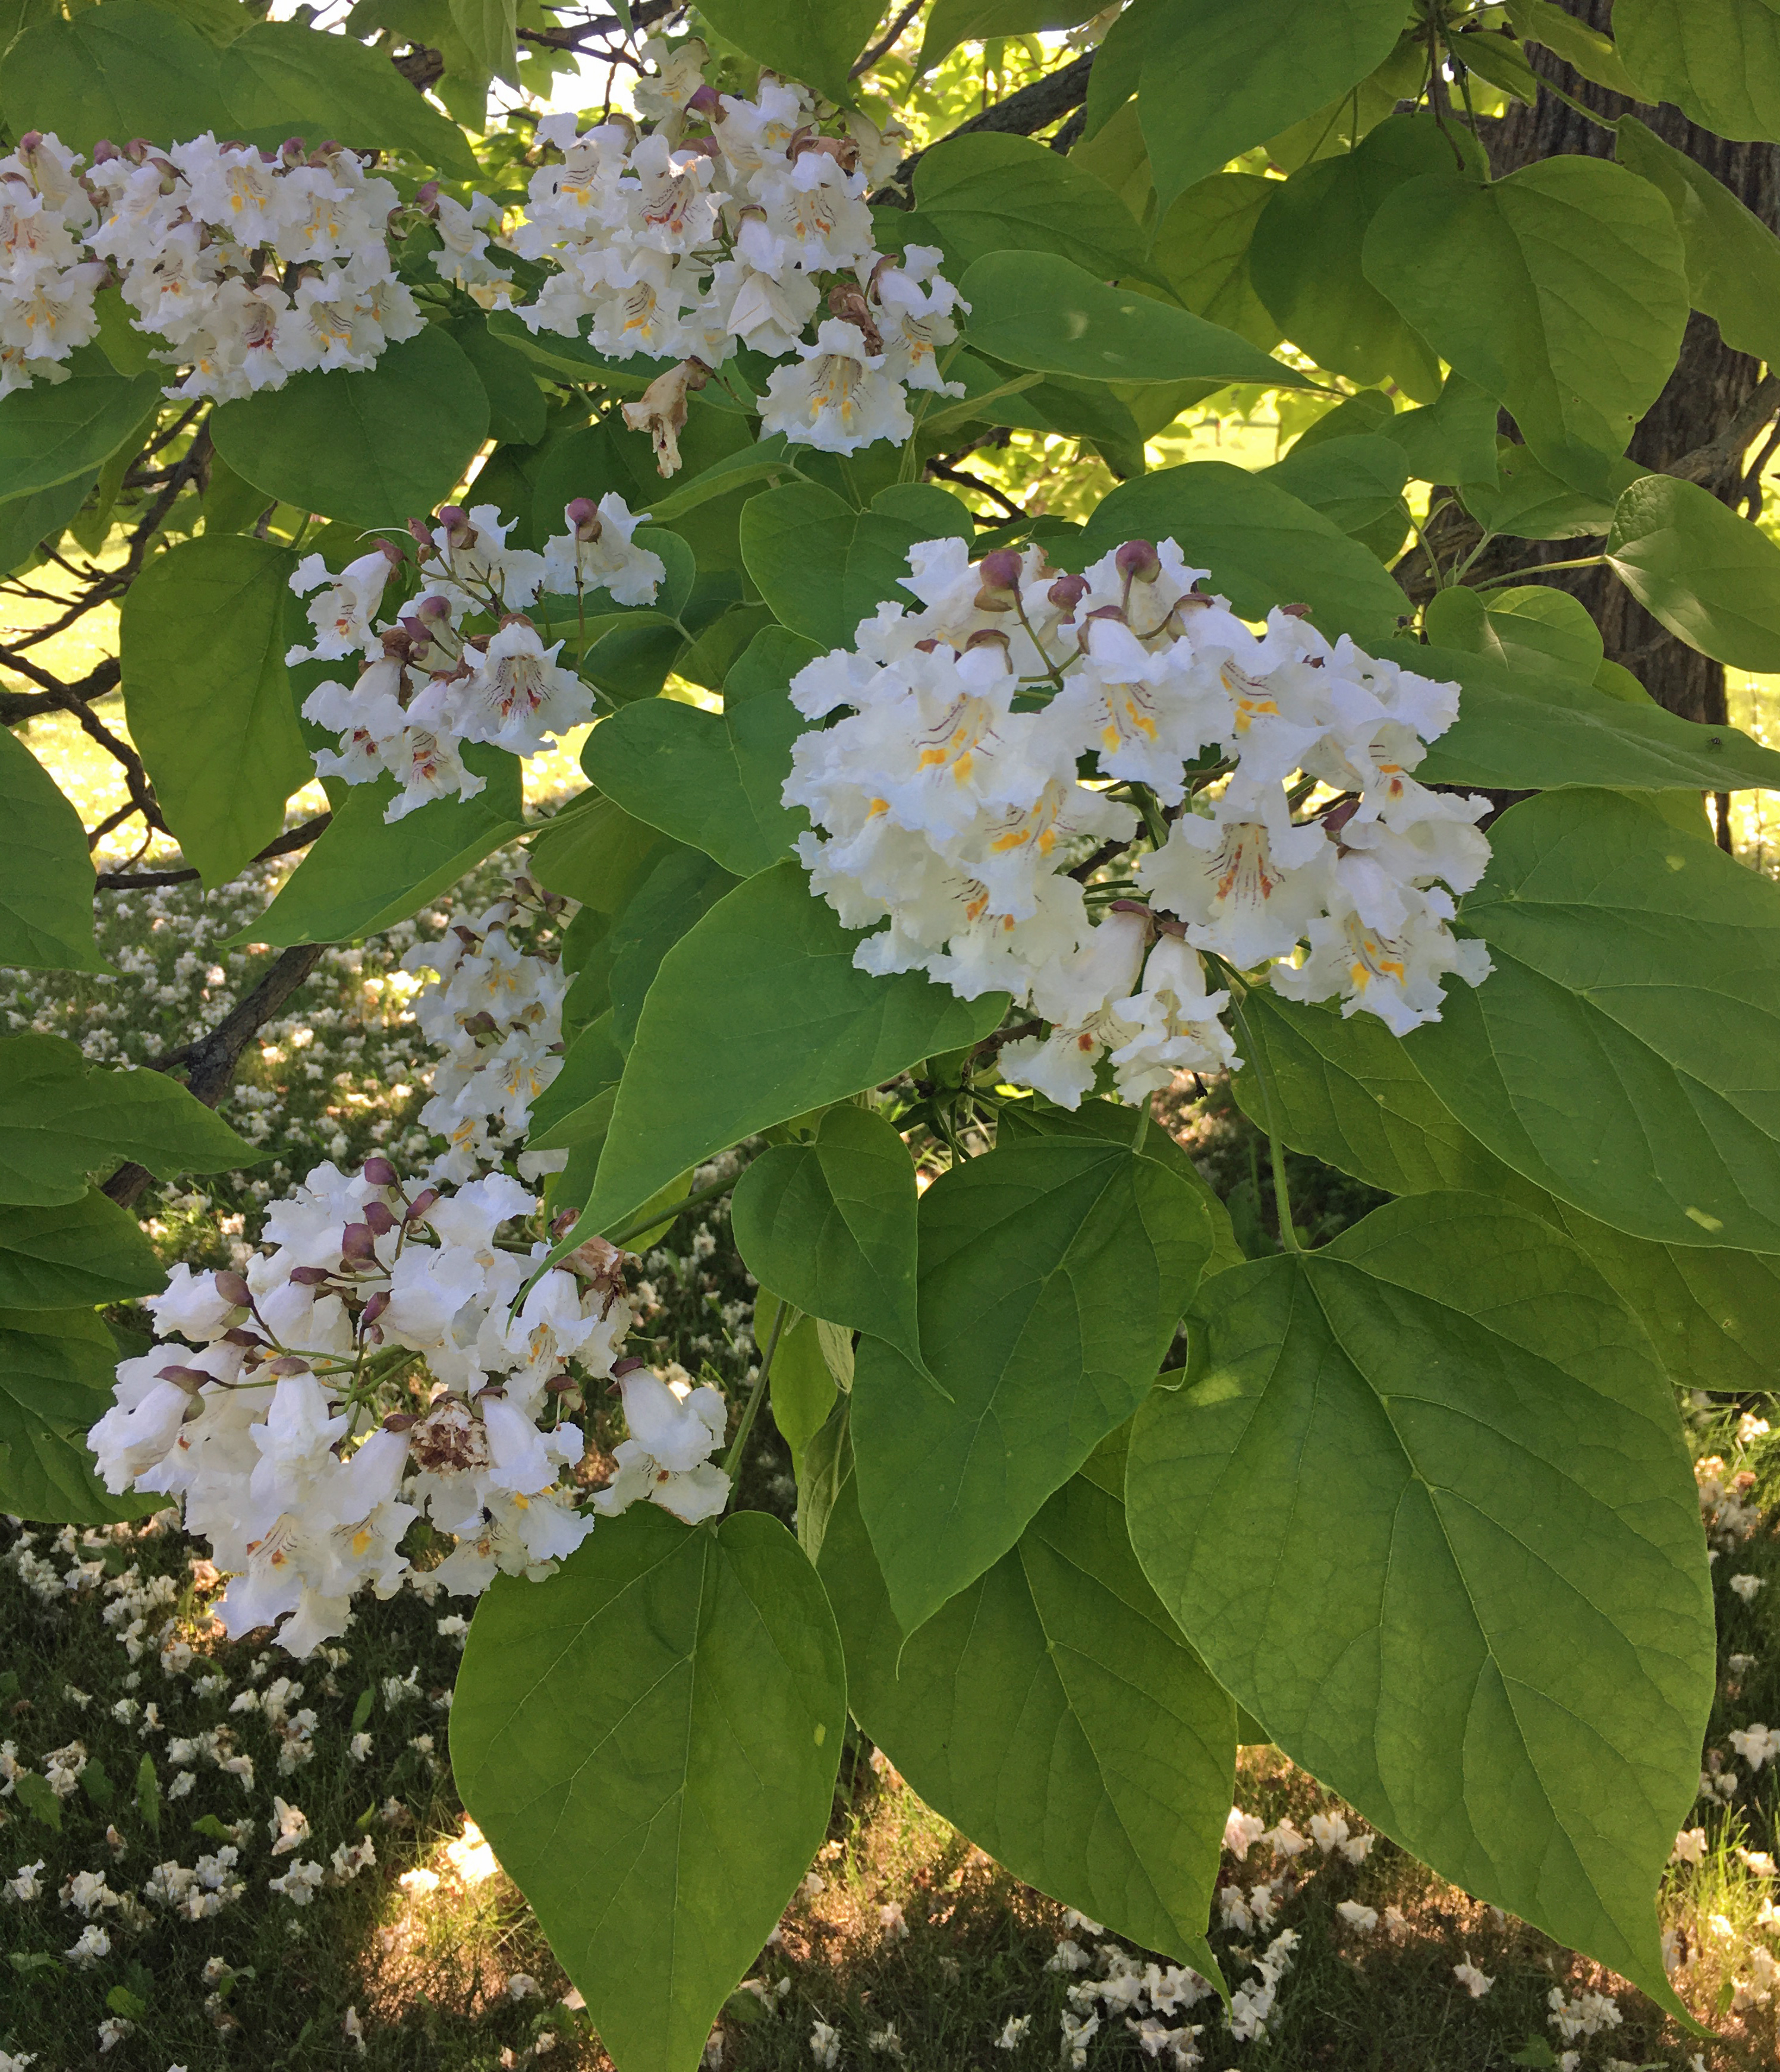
628	1365
235	1336
455	522
423	1201
310	1276
190	1378
481	1023
929	646
378	1303
422	538
377	1214
426	197
233	1289
583	518
104	151
29	141
433	609
1338	816
704	101
1084	632
1138	561
1295	611
356	1242
400	1420
999	574
1067	592
991	636
287	1363
378	1171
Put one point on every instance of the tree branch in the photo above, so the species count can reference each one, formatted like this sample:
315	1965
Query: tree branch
887	40
210	1063
1020	114
1724	454
141	881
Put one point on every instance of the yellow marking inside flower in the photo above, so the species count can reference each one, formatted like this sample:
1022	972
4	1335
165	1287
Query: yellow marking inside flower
876	807
360	1540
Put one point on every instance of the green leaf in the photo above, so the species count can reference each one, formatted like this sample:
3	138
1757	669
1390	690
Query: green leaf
1052	1274
487	28
1566	36
363	874
1540	626
677	894
148	1795
711	780
955	22
1118	62
46	870
55	432
30	524
1452	439
1346	1091
815	40
42	1803
1355	482
124	71
1717	60
1636	979
56	1370
1509	1667
280	78
1203	248
987	193
1220	75
208	698
1527	501
1052	1712
766	982
649	1739
830	1225
516	407
803	1389
578	1102
60	1120
1525	730
377	449
1560	289
1733	257
61	1255
763	460
1262	544
823	566
593	851
1712	579
1305	261
1038	310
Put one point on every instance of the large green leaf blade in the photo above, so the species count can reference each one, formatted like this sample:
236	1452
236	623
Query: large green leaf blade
1052	1274
649	1739
54	432
1262	545
46	870
711	780
377	448
1053	1712
823	566
365	873
1220	75
1561	290
1039	310
208	696
816	40
75	1254
764	986
1525	730
830	1225
59	1120
1719	60
986	193
1509	1667
1624	1054
126	70
56	1370
1712	578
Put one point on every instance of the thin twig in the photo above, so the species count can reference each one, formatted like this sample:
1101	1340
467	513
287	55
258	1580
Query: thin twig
887	41
141	881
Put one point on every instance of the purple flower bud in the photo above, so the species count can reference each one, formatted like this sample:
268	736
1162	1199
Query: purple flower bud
704	100
453	516
1068	591
426	197
989	636
400	1420
379	1172
1137	560
628	1365
433	610
422	538
232	1288
235	1336
287	1363
190	1378
423	1201
378	1303
356	1242
29	141
377	1215
104	151
999	574
310	1276
1295	611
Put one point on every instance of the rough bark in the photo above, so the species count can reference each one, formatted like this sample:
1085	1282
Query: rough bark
1710	387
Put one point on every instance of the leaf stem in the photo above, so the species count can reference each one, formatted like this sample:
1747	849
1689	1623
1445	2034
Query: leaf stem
638	1224
732	1458
1541	568
1282	1197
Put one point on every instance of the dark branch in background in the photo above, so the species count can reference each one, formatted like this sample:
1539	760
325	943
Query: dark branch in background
1706	463
887	40
1032	108
643	14
210	1063
964	477
141	881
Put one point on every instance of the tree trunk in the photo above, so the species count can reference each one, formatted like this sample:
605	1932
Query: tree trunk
1709	386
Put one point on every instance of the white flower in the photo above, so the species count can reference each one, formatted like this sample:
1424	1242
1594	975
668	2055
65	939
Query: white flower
1364	1918
824	2045
1241	1831
595	552
1245	881
836	398
1690	1846
1014	2032
674	1430
341	614
1472	1980
517	698
1746	1586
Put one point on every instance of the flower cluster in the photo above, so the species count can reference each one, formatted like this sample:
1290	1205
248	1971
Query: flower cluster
428	685
386	1358
246	266
494	1007
734	222
1003	750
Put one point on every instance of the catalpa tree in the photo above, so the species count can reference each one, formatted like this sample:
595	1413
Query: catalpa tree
426	441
